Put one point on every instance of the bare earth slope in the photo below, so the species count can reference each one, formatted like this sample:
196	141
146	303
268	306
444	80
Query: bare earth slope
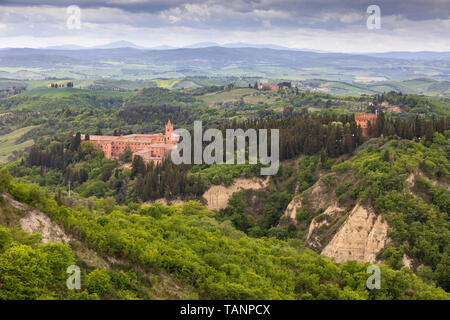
342	232
360	238
217	196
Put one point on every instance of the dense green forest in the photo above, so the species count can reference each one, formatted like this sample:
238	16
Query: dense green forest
90	174
184	242
248	250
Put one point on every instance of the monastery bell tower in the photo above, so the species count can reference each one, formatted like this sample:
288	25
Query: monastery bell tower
169	131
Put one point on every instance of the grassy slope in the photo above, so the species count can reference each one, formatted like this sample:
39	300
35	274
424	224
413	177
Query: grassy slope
225	96
336	86
8	145
67	92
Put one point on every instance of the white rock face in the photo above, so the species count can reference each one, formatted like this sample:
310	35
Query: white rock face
37	222
313	237
318	196
217	196
360	238
293	206
407	262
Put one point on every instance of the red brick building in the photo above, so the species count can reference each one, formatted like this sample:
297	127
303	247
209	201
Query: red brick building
273	87
151	147
363	119
394	109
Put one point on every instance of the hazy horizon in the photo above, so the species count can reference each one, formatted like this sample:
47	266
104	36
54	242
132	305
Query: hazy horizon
191	46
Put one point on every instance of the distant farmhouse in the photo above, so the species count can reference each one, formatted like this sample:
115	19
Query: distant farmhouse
394	109
385	106
150	147
60	85
11	91
274	87
385	103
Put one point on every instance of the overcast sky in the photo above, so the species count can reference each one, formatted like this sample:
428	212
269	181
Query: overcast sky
329	25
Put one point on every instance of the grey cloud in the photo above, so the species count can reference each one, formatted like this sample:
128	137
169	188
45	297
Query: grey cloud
411	9
401	19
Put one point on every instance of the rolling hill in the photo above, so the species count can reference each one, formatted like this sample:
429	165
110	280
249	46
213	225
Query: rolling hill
134	63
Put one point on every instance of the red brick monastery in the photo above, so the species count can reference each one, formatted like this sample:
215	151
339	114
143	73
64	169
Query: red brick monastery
151	147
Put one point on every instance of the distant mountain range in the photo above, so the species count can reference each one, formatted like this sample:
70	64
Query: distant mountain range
128	44
244	45
125	60
66	47
422	55
112	45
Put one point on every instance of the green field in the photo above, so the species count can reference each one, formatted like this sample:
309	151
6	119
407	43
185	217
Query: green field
264	97
225	96
67	92
173	80
169	83
8	143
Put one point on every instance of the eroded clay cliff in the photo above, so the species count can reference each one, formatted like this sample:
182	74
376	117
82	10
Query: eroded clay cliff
217	196
361	237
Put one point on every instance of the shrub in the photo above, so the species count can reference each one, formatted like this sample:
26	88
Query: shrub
99	282
21	192
342	188
302	215
342	167
5	180
328	164
121	280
